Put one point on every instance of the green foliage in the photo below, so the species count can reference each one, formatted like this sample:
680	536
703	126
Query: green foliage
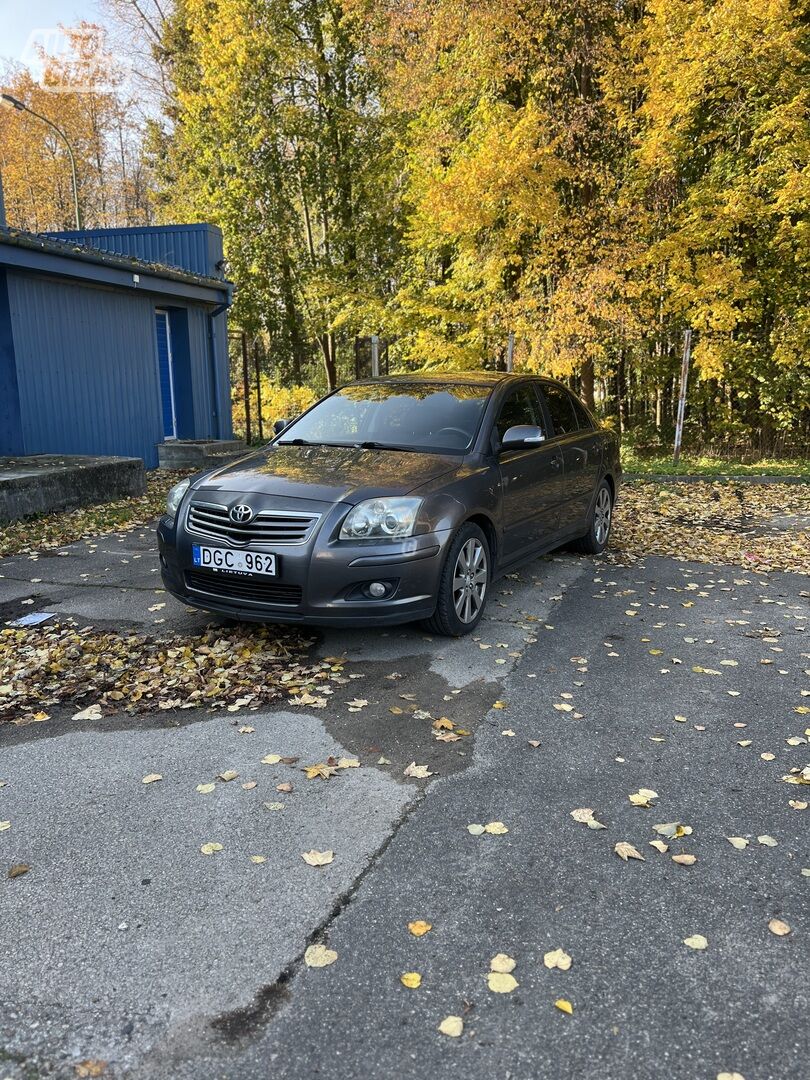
277	403
701	465
278	139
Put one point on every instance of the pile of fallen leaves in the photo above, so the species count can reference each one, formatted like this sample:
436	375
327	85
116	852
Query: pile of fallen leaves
236	667
742	524
66	527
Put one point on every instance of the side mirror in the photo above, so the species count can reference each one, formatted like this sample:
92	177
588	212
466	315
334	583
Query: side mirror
279	426
522	435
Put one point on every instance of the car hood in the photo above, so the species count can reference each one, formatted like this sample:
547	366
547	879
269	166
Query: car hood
328	473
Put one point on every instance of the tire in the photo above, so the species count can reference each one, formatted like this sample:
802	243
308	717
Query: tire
459	609
596	538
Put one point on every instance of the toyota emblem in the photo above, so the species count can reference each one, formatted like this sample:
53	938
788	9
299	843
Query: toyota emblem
241	514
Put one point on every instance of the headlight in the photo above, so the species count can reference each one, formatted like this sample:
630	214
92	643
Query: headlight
175	497
378	519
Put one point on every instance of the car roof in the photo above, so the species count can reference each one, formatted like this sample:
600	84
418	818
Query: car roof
471	377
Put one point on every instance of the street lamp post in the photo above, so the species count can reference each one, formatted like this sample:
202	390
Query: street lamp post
14	103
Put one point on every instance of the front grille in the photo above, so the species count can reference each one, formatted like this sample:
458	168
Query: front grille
268	527
231	587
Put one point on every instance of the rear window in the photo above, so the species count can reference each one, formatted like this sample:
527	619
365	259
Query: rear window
561	408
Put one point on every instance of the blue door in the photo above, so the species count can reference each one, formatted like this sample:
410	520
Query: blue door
164	349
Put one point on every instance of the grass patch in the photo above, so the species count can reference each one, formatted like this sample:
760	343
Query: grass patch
697	465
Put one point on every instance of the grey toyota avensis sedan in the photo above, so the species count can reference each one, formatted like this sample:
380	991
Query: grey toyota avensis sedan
394	500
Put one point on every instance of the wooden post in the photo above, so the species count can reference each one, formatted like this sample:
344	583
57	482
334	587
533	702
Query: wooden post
510	351
375	356
258	391
246	386
687	352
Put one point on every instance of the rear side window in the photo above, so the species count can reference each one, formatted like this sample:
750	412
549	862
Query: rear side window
584	422
561	407
521	407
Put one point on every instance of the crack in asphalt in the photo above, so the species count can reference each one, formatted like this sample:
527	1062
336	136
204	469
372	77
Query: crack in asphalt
84	584
238	1024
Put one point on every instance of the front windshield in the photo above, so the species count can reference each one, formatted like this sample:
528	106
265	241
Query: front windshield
428	417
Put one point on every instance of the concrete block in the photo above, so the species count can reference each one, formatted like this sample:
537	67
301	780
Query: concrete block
198	453
43	483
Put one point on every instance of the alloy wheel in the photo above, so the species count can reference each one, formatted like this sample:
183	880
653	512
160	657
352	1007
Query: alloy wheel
470	577
601	516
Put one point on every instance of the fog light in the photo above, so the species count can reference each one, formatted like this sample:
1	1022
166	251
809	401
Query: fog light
377	589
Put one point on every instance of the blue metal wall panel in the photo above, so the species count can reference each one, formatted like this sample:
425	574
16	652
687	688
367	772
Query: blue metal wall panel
86	368
210	377
197	248
11	437
201	374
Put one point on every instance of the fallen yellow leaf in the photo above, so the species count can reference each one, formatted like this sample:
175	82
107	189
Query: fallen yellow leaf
585	816
557	958
318	956
564	1006
442	724
151	778
317	858
411	979
501	962
452	1026
314	771
210	848
738	842
419	772
91	1067
627	851
419	927
501	982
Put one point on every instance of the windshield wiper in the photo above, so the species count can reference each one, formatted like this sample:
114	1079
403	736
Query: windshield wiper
307	442
369	444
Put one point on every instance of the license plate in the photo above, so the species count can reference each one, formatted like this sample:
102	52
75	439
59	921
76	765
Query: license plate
237	562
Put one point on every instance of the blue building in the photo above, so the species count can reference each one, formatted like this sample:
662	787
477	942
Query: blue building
112	340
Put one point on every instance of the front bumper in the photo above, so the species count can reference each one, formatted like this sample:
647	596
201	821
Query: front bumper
318	582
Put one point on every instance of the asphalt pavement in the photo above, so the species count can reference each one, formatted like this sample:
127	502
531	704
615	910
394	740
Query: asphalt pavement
126	945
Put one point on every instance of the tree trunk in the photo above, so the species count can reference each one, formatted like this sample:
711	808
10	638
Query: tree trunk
326	342
621	393
587	383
